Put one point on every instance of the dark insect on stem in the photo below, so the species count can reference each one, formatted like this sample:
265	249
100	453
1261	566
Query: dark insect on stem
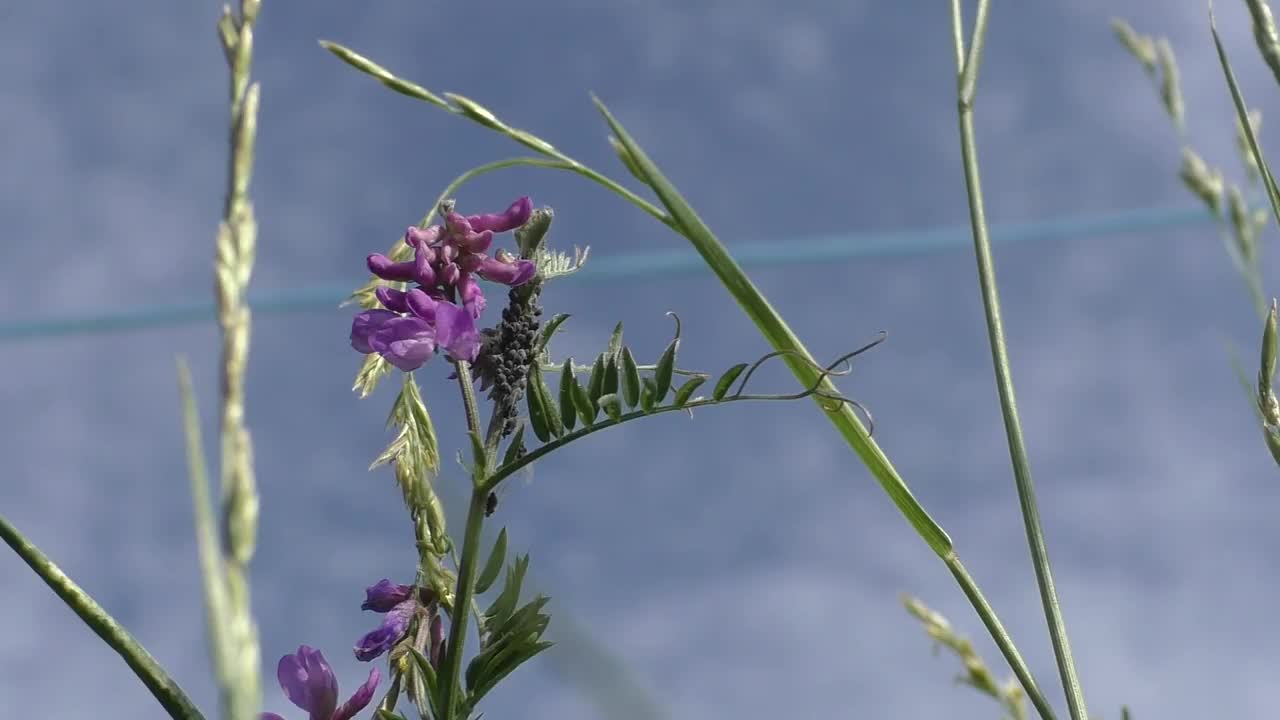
491	503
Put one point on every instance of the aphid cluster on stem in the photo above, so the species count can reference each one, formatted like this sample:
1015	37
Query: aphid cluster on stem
512	352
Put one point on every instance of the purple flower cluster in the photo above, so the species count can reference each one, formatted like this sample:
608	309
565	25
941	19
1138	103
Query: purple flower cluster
399	604
440	312
309	683
307	679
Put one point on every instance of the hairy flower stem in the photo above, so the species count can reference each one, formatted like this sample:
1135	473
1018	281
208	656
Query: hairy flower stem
452	670
967	82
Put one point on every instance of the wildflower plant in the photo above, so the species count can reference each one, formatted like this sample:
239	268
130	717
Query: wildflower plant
426	298
431	305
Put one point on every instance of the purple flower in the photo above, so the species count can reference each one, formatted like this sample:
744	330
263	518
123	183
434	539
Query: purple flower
384	595
399	603
387	269
308	682
408	341
516	272
456	332
395	623
447	260
514	216
469	293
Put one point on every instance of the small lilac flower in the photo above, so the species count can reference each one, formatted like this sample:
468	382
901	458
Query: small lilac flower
384	595
477	242
365	325
416	236
406	342
456	332
423	273
391	299
395	623
387	269
514	216
469	293
418	302
450	273
513	272
308	682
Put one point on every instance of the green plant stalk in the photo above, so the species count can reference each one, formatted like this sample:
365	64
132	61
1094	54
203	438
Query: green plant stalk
162	687
413	90
968	75
776	331
957	31
998	633
465	592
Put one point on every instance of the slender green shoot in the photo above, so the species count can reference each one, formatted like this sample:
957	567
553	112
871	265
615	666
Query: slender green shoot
968	75
165	690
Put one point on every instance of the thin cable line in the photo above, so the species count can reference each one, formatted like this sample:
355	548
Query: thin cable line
811	250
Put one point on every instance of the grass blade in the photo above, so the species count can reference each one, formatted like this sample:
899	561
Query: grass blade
165	690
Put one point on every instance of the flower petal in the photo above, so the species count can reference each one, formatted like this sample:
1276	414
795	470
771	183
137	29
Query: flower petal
308	681
387	269
513	273
456	332
449	274
360	698
421	237
365	324
476	242
471	296
423	256
406	342
385	595
391	298
421	304
394	625
513	217
457	224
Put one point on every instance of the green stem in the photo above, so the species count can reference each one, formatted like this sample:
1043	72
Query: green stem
1000	635
556	162
782	338
452	671
469	404
465	591
165	690
968	75
499	474
957	32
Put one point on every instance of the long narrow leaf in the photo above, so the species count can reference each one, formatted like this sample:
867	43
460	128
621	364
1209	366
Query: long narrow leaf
1242	112
165	690
780	336
206	526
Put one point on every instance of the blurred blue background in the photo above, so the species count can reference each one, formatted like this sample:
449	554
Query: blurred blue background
740	563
